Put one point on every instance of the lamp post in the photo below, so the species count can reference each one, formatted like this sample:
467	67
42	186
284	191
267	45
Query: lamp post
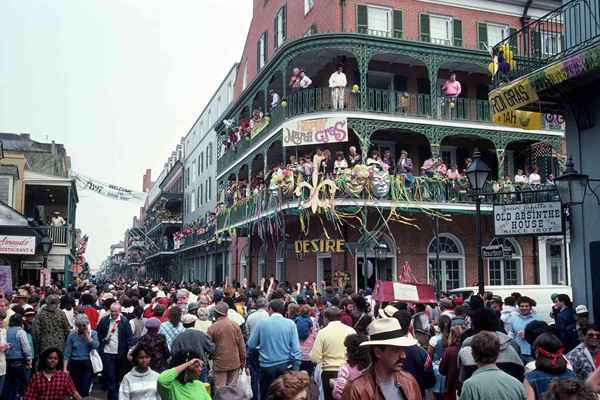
477	174
46	246
571	185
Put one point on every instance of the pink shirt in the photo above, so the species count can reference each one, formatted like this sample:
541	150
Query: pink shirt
345	374
451	88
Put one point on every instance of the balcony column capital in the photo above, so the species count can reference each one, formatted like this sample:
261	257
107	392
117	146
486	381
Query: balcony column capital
435	150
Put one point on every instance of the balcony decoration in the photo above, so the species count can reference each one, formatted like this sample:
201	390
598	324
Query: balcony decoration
282	180
355	89
318	188
258	122
502	60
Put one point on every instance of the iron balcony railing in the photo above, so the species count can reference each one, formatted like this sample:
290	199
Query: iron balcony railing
60	235
418	193
391	102
564	31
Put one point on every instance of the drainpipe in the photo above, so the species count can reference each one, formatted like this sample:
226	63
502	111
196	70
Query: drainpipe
343	9
524	22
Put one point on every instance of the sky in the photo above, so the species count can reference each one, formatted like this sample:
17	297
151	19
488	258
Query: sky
118	82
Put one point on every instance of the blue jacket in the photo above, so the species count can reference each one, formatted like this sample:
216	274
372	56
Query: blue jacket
566	328
78	348
126	338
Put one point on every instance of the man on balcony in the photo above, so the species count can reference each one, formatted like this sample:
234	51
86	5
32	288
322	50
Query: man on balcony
337	83
57	219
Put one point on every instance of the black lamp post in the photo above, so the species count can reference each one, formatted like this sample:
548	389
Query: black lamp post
477	174
46	246
571	185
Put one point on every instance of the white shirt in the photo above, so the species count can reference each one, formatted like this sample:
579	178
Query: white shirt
274	100
337	79
520	179
535	179
112	344
305	82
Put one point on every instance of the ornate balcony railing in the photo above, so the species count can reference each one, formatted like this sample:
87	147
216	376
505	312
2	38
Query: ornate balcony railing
564	31
419	193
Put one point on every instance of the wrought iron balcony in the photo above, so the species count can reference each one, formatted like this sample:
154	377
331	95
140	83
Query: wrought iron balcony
560	33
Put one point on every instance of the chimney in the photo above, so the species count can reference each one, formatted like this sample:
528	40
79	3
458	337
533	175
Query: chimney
147	181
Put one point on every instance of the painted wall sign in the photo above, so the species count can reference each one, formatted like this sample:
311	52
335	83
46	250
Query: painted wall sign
17	245
319	246
315	131
528	219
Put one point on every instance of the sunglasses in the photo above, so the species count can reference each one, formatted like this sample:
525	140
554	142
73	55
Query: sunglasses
593	335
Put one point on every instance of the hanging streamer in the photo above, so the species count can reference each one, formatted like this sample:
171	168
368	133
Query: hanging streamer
106	189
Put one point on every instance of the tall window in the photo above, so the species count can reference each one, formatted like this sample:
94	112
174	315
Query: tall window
193	177
280	262
280	27
245	76
6	190
507	270
193	201
308	5
209	157
209	188
441	30
261	56
199	164
551	43
489	35
379	21
446	263
201	193
262	264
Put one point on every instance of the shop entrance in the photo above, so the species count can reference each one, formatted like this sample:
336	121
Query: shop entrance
376	269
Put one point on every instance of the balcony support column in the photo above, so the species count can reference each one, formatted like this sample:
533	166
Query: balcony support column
501	153
363	56
435	150
433	66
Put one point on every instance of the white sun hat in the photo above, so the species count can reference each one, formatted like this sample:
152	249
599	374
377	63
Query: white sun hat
387	332
388	311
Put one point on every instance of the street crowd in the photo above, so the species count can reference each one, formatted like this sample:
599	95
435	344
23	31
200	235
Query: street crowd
173	341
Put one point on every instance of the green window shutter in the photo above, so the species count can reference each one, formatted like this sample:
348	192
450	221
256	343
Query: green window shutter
537	43
266	46
398	24
276	30
258	54
362	19
457	32
284	22
513	41
424	28
482	39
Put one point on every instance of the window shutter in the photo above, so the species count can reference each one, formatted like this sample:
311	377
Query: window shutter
482	36
5	189
457	32
258	55
266	46
537	43
284	23
513	40
362	19
424	28
398	24
276	30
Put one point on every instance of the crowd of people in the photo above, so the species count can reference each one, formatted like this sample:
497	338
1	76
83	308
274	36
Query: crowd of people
159	340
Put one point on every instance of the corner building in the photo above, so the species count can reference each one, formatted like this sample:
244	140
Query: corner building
396	56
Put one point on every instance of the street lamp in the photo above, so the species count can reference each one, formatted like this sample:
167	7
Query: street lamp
477	174
46	245
571	185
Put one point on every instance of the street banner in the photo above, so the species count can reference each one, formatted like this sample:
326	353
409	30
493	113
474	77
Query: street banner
315	131
519	119
107	189
528	219
17	245
6	279
388	291
512	97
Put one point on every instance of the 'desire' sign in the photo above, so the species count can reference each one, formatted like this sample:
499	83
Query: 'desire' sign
315	131
319	246
528	219
17	244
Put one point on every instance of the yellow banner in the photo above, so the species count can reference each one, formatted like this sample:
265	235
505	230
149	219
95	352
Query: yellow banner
511	97
519	119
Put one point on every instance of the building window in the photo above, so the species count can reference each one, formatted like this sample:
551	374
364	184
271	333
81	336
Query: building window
261	56
245	76
551	43
446	262
280	262
324	268
193	177
508	270
262	264
557	266
6	190
193	202
379	21
280	27
489	35
308	5
209	158
209	188
201	193
201	162
441	30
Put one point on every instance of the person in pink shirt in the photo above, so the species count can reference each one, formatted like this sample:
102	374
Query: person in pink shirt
442	169
451	88
357	359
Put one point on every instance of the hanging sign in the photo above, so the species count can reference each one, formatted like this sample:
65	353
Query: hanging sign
319	246
519	119
512	97
315	131
17	245
528	219
108	190
496	251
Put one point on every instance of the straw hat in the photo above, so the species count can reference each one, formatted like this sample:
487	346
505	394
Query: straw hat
388	312
387	332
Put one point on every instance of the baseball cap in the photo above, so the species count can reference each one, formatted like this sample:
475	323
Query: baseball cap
581	309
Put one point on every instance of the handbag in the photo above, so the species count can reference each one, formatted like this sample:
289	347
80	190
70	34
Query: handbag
96	361
244	384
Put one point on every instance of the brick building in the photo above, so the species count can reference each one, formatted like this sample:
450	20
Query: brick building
396	55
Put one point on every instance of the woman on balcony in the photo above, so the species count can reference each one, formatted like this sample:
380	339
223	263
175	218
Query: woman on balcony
375	161
353	157
340	163
388	162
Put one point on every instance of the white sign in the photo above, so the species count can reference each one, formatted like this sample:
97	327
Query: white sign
315	131
107	189
528	219
17	244
406	292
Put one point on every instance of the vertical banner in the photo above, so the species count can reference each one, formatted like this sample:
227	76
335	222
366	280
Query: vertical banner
6	279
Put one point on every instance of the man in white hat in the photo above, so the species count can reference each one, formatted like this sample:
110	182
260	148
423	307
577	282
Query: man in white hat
385	378
582	319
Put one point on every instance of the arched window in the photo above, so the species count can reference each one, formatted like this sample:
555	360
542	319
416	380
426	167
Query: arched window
261	272
446	261
244	264
507	270
280	262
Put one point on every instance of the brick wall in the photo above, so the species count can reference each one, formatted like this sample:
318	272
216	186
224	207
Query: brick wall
326	15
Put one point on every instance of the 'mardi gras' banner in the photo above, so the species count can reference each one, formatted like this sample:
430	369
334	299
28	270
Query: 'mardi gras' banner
521	92
315	131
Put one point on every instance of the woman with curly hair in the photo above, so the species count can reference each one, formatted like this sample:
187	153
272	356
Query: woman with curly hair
51	382
357	359
571	389
294	385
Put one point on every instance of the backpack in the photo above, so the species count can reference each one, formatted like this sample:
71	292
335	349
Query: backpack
304	326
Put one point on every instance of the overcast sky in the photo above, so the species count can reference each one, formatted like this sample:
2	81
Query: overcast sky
118	82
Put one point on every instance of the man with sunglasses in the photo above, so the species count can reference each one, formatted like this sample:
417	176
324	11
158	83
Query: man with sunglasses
585	358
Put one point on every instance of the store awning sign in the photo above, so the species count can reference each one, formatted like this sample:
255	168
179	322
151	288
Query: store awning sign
315	131
528	219
319	246
17	244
